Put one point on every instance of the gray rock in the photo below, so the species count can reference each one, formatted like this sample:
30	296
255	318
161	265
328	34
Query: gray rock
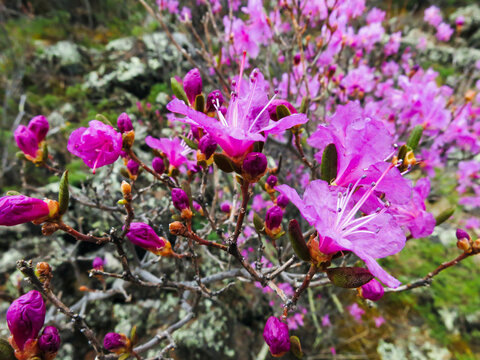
67	55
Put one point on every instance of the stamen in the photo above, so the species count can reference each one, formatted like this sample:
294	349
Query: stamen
261	112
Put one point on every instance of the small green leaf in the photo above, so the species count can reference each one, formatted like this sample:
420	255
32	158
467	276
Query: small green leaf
178	90
444	216
6	351
45	152
296	347
258	146
188	190
297	240
258	223
199	103
190	143
103	119
12	193
304	106
415	137
124	356
223	162
282	111
20	155
328	169
402	152
63	193
133	335
349	277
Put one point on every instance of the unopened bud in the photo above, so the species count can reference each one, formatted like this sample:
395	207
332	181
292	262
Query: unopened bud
126	188
176	228
128	139
462	234
409	159
43	271
254	166
465	245
476	245
470	95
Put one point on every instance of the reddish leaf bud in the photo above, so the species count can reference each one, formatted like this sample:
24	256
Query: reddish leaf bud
116	343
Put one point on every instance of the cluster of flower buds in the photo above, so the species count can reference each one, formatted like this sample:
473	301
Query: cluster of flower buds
124	125
30	138
465	242
25	319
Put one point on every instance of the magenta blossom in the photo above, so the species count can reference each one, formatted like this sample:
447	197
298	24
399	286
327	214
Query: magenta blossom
413	215
356	311
192	84
26	141
247	119
361	143
98	145
276	336
19	209
39	126
25	317
370	237
175	150
372	290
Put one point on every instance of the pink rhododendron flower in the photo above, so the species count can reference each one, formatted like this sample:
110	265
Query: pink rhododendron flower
356	311
371	237
379	321
247	118
433	16
444	32
98	145
326	320
175	150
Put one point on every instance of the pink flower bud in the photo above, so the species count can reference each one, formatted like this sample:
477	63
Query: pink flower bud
372	290
192	84
462	234
276	336
98	263
116	343
49	341
158	165
282	201
132	167
39	126
124	124
25	317
272	181
26	141
98	145
180	199
214	100
207	146
255	164
226	207
145	237
20	209
273	218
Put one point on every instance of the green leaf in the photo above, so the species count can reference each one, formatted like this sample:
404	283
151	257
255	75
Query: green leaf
349	277
223	162
178	90
258	223
199	103
6	351
63	193
191	144
304	106
328	169
45	152
103	119
282	111
415	137
124	356
402	152
296	347
12	193
444	216
297	240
